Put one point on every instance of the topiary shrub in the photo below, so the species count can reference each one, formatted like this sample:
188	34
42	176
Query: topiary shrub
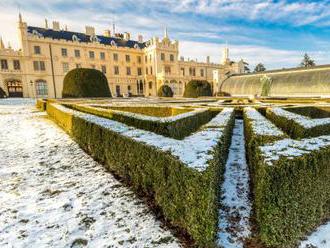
165	91
197	88
2	93
83	82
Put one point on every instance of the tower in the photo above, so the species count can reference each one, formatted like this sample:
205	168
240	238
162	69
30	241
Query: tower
165	33
2	46
225	55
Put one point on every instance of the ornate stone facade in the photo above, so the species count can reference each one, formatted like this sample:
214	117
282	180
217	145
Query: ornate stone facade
131	67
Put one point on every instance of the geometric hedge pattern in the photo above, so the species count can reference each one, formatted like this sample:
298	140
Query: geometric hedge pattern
174	154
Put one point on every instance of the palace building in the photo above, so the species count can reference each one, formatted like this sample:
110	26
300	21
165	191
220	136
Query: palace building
135	67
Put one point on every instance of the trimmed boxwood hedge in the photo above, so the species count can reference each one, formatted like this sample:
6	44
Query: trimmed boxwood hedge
311	112
177	129
2	93
84	82
197	88
187	198
294	130
291	197
146	110
165	91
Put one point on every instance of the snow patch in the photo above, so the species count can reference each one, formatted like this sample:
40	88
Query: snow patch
235	212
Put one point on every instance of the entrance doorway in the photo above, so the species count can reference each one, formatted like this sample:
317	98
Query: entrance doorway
15	88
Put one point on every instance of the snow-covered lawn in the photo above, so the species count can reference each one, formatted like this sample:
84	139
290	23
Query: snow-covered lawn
234	216
52	194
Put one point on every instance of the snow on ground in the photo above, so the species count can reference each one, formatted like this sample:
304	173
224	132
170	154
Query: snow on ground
320	238
52	194
235	212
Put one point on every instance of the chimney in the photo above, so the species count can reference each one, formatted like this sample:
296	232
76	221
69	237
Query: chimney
140	38
90	30
107	33
127	36
208	59
66	28
56	26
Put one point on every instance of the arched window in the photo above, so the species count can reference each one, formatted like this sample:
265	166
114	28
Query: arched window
41	88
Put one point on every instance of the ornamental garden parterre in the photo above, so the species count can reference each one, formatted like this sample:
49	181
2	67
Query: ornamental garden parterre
220	172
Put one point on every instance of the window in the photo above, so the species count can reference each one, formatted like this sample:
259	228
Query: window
172	57
192	71
150	85
151	70
37	50
42	66
128	70
167	70
64	52
139	59
116	70
139	71
162	57
39	65
128	58
115	56
104	69
91	55
77	53
147	71
128	88
65	67
145	59
41	88
202	73
17	65
4	64
117	90
182	71
102	55
150	57
78	65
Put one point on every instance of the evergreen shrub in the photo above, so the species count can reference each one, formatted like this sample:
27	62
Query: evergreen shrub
197	88
84	82
165	91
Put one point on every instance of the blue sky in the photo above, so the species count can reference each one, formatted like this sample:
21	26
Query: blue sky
276	33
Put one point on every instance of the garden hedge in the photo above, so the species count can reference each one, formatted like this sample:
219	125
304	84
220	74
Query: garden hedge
165	91
84	82
187	198
177	129
2	93
294	129
291	196
148	110
311	112
197	88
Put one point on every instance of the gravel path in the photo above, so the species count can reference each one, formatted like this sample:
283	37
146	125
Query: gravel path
52	194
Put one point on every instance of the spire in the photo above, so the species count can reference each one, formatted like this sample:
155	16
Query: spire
2	46
114	28
46	23
20	20
165	33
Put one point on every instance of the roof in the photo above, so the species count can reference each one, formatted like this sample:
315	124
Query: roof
81	37
316	67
